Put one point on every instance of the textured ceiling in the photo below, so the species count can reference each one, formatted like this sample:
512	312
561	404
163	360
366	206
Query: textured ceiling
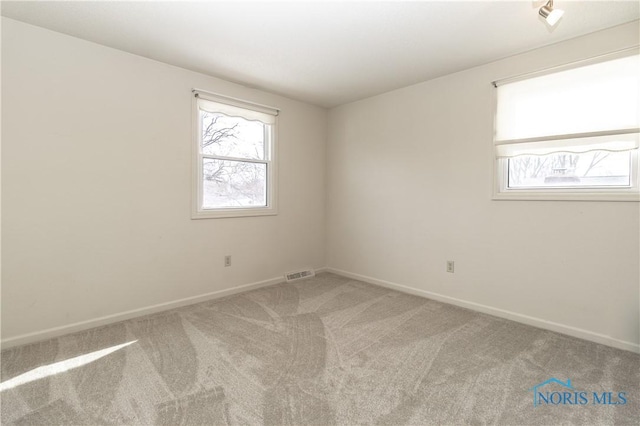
325	53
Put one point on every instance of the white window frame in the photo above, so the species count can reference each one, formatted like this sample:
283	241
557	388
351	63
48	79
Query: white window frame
198	212
501	191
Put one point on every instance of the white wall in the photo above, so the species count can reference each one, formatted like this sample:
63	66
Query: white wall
96	186
410	176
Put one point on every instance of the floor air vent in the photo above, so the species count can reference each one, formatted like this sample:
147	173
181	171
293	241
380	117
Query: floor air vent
299	275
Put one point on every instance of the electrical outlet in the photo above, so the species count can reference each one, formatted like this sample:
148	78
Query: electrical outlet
227	260
450	266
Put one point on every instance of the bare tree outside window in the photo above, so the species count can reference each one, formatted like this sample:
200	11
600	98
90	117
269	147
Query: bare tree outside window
589	169
237	177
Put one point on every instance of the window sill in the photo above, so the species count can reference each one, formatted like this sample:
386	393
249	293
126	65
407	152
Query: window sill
227	213
566	196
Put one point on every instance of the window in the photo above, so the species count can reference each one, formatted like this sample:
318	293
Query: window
234	158
571	133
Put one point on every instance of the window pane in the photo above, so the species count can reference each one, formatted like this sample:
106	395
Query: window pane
233	184
232	136
567	170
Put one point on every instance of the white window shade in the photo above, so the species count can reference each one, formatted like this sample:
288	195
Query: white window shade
601	97
235	108
610	143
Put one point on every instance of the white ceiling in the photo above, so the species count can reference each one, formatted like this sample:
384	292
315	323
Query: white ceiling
325	53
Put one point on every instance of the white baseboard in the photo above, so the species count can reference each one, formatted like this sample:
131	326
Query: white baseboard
110	319
524	319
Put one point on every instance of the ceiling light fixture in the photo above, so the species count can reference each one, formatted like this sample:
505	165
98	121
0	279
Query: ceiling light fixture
551	15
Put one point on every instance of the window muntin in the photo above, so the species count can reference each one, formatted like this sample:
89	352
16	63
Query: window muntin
234	159
572	134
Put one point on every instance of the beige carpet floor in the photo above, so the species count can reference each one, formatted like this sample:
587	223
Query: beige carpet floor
323	351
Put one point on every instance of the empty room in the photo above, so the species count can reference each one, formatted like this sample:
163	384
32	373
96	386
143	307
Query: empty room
320	213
